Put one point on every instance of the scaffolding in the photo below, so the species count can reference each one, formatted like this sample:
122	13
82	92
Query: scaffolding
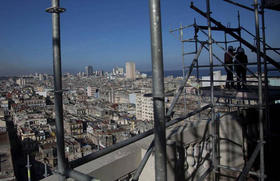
261	106
162	120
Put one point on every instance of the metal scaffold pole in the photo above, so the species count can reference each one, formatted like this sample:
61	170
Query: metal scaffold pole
197	66
256	5
28	166
267	122
183	63
214	123
237	37
265	62
56	10
158	90
225	37
239	27
196	42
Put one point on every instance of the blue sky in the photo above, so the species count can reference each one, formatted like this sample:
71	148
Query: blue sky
108	33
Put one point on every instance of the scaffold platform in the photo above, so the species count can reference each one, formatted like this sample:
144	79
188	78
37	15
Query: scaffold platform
249	93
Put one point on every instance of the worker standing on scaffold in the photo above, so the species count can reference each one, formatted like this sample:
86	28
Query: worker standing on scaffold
228	59
241	62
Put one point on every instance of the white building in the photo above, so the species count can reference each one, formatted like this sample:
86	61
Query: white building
118	71
139	106
216	76
121	97
42	93
132	98
144	107
92	91
21	81
130	70
41	77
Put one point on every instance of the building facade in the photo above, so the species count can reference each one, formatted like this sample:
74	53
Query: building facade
130	70
92	92
144	107
89	70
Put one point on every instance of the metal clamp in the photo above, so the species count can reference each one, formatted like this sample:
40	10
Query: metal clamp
55	10
158	98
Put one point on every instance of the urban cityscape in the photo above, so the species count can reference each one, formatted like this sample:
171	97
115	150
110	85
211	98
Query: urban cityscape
100	109
206	120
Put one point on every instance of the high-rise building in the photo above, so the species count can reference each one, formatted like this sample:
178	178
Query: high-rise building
144	107
130	70
89	70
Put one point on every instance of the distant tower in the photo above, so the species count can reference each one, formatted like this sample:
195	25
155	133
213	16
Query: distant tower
41	77
130	70
89	70
21	81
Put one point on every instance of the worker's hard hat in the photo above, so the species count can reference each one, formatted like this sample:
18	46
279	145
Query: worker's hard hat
241	50
230	48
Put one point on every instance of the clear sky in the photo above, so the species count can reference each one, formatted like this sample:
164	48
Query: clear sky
107	33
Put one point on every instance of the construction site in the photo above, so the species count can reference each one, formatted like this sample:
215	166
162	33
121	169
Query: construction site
236	131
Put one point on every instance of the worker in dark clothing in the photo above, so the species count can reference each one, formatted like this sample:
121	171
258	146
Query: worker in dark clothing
228	59
241	61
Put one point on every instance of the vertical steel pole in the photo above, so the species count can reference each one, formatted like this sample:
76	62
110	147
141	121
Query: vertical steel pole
239	33
213	124
183	63
55	10
225	36
195	35
256	5
197	67
28	166
195	38
158	90
265	62
267	122
182	46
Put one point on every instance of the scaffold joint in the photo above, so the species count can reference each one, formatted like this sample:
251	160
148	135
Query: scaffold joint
55	10
158	98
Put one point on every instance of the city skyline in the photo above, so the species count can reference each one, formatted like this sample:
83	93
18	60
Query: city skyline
106	34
